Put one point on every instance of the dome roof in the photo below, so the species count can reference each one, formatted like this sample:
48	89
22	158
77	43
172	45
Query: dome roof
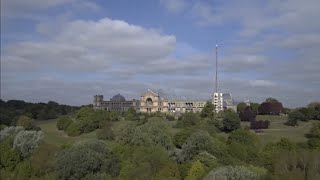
118	97
227	97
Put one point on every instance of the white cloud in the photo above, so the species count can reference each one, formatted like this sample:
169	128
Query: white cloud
89	46
174	6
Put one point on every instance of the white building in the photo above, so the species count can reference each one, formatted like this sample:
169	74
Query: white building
217	101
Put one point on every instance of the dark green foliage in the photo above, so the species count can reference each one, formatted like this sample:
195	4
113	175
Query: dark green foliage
154	133
244	137
208	110
196	143
63	122
297	165
85	158
247	115
26	122
148	163
271	106
314	131
295	116
314	143
241	106
231	121
9	157
315	106
106	133
170	117
12	109
74	129
188	119
180	138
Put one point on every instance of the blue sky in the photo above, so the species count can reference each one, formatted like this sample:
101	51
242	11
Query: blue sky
69	50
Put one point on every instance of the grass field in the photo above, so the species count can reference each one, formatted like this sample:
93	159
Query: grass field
53	136
276	131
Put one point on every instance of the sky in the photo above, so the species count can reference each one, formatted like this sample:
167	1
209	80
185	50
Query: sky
69	50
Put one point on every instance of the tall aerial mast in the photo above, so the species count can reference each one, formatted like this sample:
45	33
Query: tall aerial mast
216	84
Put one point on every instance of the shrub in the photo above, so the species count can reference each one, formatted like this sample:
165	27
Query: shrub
63	123
106	133
9	157
85	158
236	172
74	129
188	119
9	132
231	121
26	122
180	138
314	131
259	124
247	115
196	171
170	117
26	141
295	116
196	143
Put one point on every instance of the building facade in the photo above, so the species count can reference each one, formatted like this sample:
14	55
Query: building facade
186	105
152	102
217	101
117	103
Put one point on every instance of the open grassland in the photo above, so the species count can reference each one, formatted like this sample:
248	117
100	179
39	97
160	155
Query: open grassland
53	136
276	131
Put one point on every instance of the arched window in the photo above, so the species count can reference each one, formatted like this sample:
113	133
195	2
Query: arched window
149	102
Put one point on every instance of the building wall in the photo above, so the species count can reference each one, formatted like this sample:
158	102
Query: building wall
186	105
152	102
217	101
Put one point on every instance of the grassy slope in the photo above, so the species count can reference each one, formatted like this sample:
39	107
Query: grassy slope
53	136
277	130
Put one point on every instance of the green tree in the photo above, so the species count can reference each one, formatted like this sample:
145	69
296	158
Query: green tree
26	122
196	143
74	129
231	121
180	138
254	107
63	122
86	157
196	171
208	110
106	133
234	172
315	131
241	106
188	119
294	116
27	141
9	157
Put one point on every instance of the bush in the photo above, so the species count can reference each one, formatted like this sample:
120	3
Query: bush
295	116
170	117
236	172
9	157
74	129
180	138
196	143
8	132
26	122
26	141
196	171
188	119
85	158
259	124
314	131
63	123
247	115
106	133
231	121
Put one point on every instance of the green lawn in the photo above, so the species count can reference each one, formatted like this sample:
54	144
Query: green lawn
53	136
278	129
